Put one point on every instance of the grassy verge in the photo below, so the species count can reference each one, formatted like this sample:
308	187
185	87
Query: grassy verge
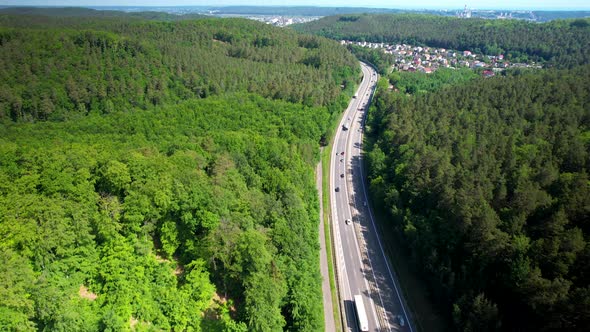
326	154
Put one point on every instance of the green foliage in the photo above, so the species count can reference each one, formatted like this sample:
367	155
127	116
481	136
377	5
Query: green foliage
169	185
558	43
487	184
61	68
481	315
382	61
215	189
16	282
417	83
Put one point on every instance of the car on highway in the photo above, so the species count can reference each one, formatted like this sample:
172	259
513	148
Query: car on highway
356	248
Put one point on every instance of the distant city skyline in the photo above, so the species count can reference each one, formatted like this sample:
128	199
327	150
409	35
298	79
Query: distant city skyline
417	4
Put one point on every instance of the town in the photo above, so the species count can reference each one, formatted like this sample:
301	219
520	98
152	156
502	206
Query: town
428	59
281	21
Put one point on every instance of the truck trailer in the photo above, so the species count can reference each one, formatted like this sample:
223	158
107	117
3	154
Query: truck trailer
361	314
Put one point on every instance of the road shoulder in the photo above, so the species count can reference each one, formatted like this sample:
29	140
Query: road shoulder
328	307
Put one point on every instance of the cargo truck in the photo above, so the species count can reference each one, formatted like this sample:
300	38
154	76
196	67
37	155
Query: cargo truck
361	314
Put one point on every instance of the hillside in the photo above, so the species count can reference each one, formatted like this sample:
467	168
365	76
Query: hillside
73	12
487	186
560	43
159	175
52	67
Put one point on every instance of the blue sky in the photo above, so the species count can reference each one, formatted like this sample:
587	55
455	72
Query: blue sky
449	4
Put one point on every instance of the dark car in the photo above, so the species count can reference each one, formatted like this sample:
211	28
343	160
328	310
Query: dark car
337	189
342	175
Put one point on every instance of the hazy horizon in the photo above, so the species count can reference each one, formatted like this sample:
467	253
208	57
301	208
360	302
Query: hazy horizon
419	4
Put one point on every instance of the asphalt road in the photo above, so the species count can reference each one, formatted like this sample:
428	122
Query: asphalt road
360	261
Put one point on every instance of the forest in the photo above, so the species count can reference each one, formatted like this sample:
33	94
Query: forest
156	172
419	83
79	12
159	175
486	184
382	62
52	67
559	43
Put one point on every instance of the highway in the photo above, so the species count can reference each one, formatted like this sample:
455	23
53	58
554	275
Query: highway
361	265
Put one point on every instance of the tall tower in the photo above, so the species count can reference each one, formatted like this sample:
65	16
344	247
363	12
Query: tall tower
466	12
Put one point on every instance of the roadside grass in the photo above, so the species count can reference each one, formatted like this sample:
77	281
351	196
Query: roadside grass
326	155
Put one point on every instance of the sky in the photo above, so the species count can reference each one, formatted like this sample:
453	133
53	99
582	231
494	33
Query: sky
414	4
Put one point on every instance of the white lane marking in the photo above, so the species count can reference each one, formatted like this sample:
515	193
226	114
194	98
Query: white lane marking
344	273
371	302
335	215
343	276
381	247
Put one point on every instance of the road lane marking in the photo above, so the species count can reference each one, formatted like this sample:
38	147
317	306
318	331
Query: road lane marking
379	242
350	137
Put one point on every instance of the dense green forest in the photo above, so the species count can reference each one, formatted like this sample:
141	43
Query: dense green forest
382	62
418	83
487	185
159	175
562	43
51	67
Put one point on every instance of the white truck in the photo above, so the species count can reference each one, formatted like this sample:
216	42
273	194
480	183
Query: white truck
361	314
